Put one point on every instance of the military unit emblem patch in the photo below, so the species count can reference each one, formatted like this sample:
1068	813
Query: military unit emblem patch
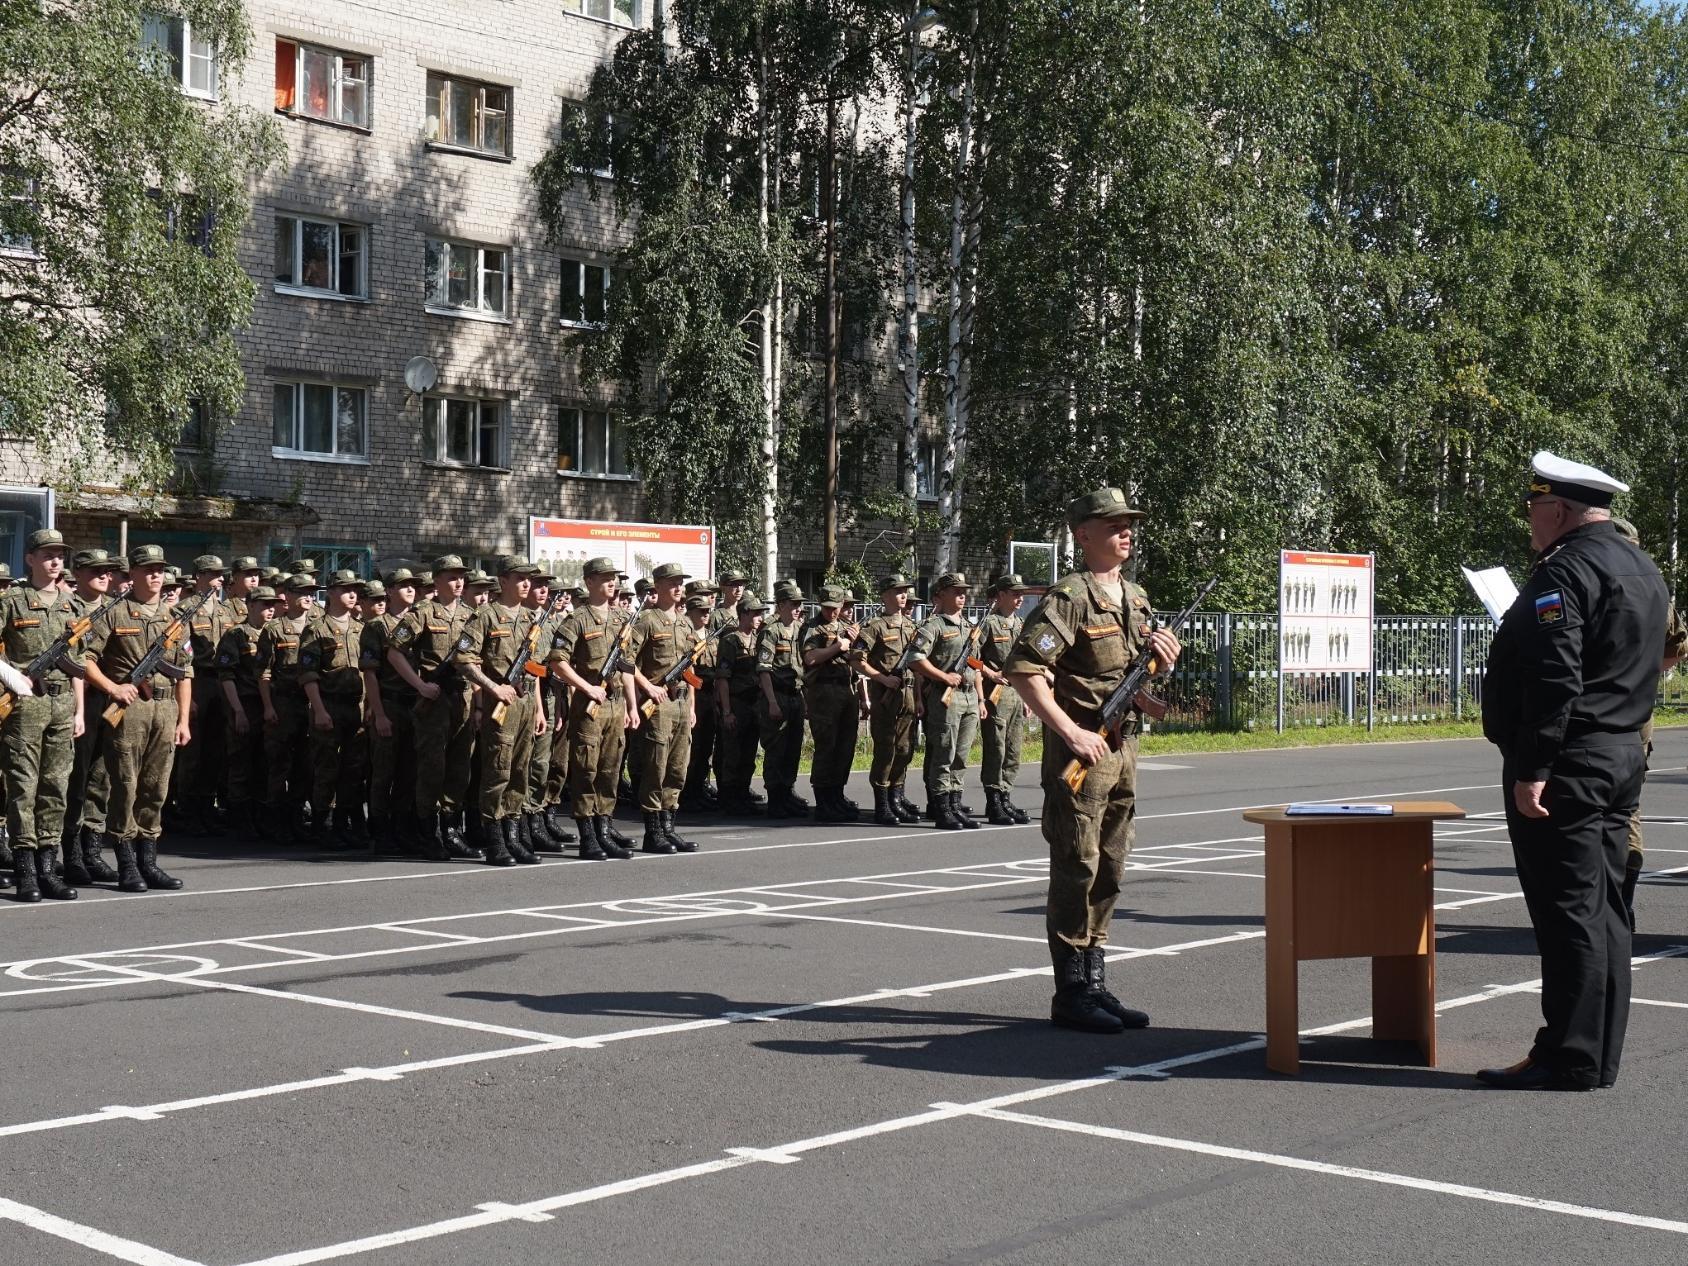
1550	608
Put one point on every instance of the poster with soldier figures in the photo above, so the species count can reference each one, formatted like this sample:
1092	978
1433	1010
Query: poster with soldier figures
1325	612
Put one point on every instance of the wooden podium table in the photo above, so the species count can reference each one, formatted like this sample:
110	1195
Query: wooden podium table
1342	886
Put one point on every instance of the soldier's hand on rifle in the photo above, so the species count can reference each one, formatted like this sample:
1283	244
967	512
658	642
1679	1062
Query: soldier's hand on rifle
1167	649
126	694
1087	745
597	694
429	690
503	693
952	680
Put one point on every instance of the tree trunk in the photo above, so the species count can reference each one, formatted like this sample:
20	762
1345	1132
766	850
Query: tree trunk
955	410
908	351
768	351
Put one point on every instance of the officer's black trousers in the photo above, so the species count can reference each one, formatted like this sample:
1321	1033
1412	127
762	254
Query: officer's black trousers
1571	868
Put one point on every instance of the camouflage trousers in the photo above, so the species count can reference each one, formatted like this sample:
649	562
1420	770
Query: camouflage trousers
596	744
245	763
738	744
1635	842
392	759
706	748
539	761
949	736
665	754
339	756
443	743
834	721
287	746
39	753
1004	723
557	781
85	798
506	749
891	724
139	754
1090	833
200	765
782	740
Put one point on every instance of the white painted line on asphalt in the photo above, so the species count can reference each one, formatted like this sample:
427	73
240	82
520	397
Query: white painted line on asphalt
275	949
88	1237
420	931
910	927
1325	1168
1658	1002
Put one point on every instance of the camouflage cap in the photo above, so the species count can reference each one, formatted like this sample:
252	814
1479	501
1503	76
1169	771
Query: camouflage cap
401	576
625	590
543	575
303	566
263	593
1010	583
207	562
641	586
244	563
342	579
950	580
300	584
1104	503
698	602
788	591
146	556
732	576
750	604
600	567
834	595
701	589
45	538
478	579
896	580
670	571
425	578
270	573
576	593
516	565
5	573
92	560
373	589
172	578
449	562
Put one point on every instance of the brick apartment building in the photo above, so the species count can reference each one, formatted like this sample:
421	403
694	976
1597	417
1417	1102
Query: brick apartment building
403	224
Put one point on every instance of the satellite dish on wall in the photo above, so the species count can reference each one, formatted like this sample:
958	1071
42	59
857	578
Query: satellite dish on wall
420	375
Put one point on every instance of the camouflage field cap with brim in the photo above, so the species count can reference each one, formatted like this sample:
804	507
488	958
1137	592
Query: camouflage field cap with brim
243	564
788	591
1007	584
698	602
478	579
300	584
263	593
670	571
449	562
303	566
1626	529
732	576
45	538
750	604
207	563
833	596
401	576
1104	503
147	556
896	580
92	560
701	589
641	586
516	565
345	578
372	589
951	580
600	567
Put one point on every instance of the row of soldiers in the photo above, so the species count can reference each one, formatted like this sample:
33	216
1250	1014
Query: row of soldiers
465	711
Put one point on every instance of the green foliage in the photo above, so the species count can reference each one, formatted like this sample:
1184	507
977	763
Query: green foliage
133	199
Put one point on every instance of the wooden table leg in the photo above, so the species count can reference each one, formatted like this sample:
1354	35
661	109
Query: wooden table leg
1404	1001
1283	1022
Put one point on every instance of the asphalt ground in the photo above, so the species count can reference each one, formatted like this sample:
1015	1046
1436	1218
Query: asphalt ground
820	1044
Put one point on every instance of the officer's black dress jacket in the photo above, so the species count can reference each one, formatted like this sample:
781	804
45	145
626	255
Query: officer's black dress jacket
1577	656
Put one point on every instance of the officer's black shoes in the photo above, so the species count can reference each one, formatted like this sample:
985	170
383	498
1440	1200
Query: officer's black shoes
1095	971
959	812
681	843
146	861
607	839
589	849
883	813
996	812
1074	1006
1526	1074
517	842
944	812
46	871
24	875
128	873
655	841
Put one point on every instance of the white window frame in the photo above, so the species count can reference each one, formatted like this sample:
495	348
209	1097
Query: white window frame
437	86
336	258
606	172
605	11
157	25
437	300
434	411
928	466
294	452
581	265
578	414
341	79
27	190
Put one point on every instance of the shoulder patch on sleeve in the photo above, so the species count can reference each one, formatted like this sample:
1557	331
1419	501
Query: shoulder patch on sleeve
1550	607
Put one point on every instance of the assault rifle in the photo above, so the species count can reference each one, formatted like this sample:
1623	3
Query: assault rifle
522	663
154	661
612	662
446	667
1132	693
966	657
681	670
74	632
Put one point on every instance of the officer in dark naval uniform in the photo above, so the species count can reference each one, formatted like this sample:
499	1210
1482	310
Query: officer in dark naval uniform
1571	680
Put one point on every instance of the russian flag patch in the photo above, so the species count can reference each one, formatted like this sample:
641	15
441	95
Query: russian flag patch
1550	608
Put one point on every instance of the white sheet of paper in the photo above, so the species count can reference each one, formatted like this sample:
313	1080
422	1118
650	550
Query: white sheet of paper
1494	588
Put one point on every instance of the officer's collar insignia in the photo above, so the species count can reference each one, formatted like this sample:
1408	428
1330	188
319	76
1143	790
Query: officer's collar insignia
1550	608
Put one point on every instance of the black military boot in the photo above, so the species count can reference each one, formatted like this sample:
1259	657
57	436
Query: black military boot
1013	810
557	822
996	812
495	842
826	808
902	806
589	848
520	844
943	815
606	839
959	812
537	834
380	834
128	873
46	870
883	813
429	842
271	827
210	822
24	875
451	835
322	831
681	843
1095	971
146	861
655	841
92	861
1074	1006
6	860
615	837
75	868
345	830
1632	876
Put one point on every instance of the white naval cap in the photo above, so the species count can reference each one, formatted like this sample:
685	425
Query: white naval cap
1560	477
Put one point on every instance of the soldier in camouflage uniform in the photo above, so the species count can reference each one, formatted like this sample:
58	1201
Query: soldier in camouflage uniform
39	732
779	665
387	719
738	691
950	700
244	576
238	670
548	834
1005	715
85	797
557	783
878	652
661	636
1075	648
142	745
829	697
286	717
329	655
601	710
199	765
699	795
422	650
